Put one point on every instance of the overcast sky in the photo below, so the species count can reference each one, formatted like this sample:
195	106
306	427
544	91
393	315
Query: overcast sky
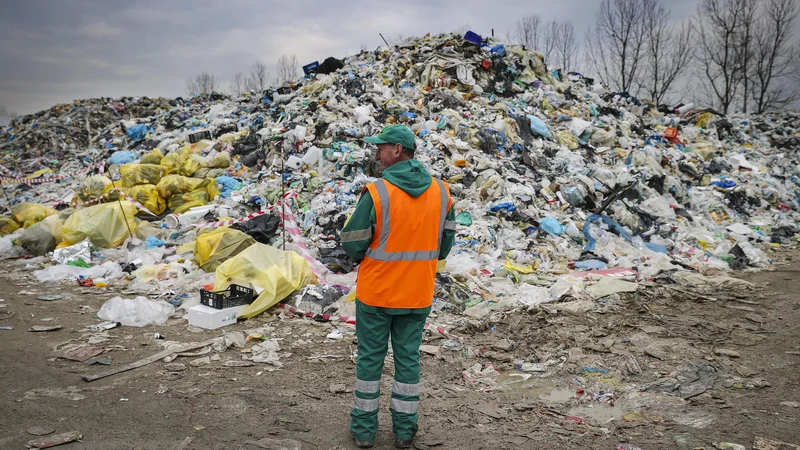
55	51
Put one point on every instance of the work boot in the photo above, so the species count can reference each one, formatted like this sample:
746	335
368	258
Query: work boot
403	443
363	443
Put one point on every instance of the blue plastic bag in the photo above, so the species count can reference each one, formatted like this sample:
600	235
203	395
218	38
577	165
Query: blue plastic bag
616	227
552	226
539	127
507	206
153	242
122	157
725	184
138	132
590	264
227	185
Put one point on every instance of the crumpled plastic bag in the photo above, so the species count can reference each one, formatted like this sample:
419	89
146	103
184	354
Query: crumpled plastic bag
181	203
137	312
8	225
154	157
218	246
81	250
180	162
219	161
27	214
147	195
122	157
107	270
177	184
227	185
43	237
94	187
103	224
136	174
272	272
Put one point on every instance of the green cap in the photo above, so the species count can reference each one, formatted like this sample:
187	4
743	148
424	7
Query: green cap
394	134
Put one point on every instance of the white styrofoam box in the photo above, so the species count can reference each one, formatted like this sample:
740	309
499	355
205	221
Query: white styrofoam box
211	318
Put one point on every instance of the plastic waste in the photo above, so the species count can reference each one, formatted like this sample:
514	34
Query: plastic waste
147	195
122	157
27	214
94	187
552	226
105	225
136	174
136	312
215	247
273	273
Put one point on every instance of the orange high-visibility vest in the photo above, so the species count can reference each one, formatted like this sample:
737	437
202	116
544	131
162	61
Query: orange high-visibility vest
399	267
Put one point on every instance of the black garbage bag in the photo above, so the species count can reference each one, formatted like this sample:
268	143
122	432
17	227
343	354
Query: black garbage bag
318	299
261	228
336	260
740	259
330	65
784	235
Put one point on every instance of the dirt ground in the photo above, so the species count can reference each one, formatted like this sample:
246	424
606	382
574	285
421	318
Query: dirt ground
612	375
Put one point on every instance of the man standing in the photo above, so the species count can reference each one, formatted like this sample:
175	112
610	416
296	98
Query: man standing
403	224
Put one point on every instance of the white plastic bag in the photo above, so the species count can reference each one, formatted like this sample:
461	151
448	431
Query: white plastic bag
136	312
108	270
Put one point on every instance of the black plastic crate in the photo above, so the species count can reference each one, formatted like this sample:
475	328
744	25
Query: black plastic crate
235	295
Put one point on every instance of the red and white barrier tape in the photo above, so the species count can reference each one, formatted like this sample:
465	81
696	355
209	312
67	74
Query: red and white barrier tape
19	180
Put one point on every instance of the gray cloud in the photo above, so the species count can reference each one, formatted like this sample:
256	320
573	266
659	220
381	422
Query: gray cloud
54	52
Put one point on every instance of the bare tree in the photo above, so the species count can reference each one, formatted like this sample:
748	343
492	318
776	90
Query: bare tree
287	68
238	83
4	111
528	32
719	24
203	83
462	30
565	46
745	46
615	45
774	54
550	41
259	77
667	52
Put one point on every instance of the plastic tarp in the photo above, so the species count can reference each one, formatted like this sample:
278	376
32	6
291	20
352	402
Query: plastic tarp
103	224
272	272
27	214
218	246
147	195
136	174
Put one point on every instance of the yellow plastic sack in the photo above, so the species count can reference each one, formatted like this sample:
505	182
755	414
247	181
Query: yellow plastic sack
42	237
147	195
38	174
136	174
8	225
272	272
218	246
154	157
181	203
567	138
177	184
103	224
218	161
189	167
176	159
94	187
27	214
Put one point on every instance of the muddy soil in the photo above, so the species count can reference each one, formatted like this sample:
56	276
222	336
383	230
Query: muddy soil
667	367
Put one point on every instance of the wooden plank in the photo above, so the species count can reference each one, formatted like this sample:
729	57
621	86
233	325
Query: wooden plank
149	360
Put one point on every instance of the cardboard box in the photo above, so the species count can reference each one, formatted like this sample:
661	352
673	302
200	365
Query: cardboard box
211	318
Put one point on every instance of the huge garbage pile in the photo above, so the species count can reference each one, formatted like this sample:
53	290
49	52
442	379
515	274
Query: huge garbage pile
552	174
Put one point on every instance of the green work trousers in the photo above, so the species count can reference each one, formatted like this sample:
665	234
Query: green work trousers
373	328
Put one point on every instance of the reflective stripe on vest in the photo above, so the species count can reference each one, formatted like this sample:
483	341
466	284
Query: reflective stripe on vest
380	253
